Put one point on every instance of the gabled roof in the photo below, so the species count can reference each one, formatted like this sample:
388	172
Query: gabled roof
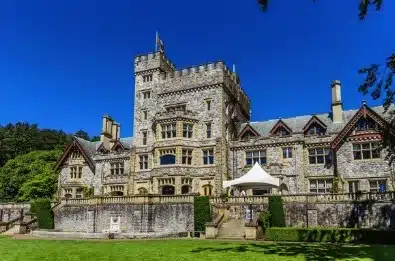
250	129
363	112
87	149
299	122
314	119
280	124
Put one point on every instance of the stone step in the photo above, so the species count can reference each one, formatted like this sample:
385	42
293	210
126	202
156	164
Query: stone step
233	228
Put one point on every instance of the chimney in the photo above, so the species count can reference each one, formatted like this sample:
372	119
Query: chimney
106	134
337	104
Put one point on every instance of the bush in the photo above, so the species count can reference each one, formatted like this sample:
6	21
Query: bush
333	235
264	220
202	212
42	209
276	211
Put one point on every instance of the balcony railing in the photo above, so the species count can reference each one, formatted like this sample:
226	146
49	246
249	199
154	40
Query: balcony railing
311	198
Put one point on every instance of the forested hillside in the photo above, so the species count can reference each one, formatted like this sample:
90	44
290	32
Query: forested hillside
27	157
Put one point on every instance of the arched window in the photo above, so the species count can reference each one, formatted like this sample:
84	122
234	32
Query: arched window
68	196
283	189
143	191
117	193
208	190
168	190
186	189
167	159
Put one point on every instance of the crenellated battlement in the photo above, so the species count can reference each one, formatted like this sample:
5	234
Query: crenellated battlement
152	61
209	68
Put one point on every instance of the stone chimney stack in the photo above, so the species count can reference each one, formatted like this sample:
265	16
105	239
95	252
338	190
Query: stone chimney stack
337	104
107	131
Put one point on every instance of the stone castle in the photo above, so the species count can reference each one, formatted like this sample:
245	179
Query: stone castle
192	130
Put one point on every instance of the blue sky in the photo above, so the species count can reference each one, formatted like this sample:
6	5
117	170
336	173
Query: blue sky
63	64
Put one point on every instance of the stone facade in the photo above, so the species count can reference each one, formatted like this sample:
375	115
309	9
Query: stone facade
192	131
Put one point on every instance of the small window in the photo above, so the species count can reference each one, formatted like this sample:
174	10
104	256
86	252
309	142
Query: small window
365	124
187	130
320	156
208	130
76	172
147	78
321	186
256	156
185	189
144	115
167	159
78	193
187	157
117	168
208	157
142	191
208	105
208	190
363	151
353	186
144	137
169	131
168	190
315	129
287	153
377	185
143	161
146	95
282	132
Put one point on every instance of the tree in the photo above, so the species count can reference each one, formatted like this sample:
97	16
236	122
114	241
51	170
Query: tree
82	134
95	138
379	81
29	176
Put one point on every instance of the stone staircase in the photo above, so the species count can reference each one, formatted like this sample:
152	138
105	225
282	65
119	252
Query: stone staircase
232	229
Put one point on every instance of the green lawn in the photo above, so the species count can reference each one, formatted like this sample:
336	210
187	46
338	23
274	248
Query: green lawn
174	250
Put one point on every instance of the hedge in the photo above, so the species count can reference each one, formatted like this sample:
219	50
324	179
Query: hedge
202	212
42	209
333	235
276	211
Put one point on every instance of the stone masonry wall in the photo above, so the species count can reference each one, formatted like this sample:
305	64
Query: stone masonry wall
10	211
348	214
133	218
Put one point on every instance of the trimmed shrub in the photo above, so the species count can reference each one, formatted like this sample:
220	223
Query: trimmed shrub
264	220
42	209
202	212
332	235
276	211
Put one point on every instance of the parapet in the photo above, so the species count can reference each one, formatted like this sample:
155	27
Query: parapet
153	61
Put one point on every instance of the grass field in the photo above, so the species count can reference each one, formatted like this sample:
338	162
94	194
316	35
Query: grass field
175	250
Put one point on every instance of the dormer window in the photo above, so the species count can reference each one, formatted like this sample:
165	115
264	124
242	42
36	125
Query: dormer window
365	124
283	132
316	130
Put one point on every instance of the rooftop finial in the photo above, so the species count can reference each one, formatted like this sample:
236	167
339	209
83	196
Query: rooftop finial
234	68
363	102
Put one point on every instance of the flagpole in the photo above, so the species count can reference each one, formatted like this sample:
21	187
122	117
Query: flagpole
156	41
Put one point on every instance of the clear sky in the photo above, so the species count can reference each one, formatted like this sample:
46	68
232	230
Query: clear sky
63	64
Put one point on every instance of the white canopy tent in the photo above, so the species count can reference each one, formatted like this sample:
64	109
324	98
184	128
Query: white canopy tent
255	177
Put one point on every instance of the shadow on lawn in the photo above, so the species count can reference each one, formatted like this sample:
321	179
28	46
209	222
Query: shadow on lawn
311	252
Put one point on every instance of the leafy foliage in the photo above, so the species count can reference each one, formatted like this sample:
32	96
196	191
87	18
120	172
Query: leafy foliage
363	6
29	176
42	209
264	220
21	138
202	212
82	134
334	235
276	210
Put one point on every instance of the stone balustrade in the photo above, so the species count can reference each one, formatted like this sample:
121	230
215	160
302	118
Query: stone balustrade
310	198
129	200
